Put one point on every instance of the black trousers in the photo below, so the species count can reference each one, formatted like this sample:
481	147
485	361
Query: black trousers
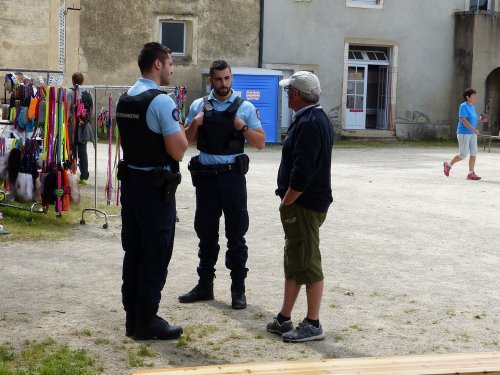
148	229
79	150
83	161
223	193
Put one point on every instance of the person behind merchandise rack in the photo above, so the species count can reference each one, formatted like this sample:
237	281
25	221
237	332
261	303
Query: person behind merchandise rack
80	131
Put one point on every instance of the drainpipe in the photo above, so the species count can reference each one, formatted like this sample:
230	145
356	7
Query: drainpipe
261	32
65	14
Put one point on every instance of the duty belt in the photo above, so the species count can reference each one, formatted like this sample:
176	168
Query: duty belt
212	170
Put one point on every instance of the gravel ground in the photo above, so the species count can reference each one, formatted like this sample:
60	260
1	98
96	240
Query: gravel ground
410	259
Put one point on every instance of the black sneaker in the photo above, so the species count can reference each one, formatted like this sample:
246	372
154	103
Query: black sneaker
157	328
198	293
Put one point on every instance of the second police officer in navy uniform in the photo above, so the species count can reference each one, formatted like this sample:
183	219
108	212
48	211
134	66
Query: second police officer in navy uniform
221	123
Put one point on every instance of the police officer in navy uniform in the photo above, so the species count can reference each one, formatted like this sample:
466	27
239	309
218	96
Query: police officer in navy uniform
153	143
221	123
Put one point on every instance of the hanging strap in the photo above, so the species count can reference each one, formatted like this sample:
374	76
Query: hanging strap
67	140
109	183
115	167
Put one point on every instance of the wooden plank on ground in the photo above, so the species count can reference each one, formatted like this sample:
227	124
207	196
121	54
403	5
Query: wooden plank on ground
444	364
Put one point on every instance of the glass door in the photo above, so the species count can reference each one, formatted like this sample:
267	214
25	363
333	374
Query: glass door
382	98
356	97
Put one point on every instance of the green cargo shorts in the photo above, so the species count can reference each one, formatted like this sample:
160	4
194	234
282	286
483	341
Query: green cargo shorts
302	258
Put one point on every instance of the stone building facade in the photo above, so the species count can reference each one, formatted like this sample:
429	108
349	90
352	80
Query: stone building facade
388	67
103	39
113	32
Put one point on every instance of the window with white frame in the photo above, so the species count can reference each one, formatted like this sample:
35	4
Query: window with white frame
376	4
370	57
480	5
173	35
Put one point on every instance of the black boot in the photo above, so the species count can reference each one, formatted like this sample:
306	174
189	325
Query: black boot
129	323
150	326
203	291
238	298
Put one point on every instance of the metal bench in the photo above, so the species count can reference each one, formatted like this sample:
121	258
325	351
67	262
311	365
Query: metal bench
488	139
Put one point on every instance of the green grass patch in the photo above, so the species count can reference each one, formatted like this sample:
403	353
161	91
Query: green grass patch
378	143
49	226
193	331
136	358
490	343
102	341
410	311
46	357
83	332
355	327
45	225
134	361
463	336
205	329
337	338
145	351
363	143
183	341
7	353
234	336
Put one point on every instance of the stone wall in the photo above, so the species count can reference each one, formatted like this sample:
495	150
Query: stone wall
476	61
30	35
112	34
419	35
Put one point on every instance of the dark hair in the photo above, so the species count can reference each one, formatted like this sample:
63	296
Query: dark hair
150	53
8	77
219	65
468	92
77	78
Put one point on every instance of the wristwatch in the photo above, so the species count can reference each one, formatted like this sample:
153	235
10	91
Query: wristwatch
244	129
